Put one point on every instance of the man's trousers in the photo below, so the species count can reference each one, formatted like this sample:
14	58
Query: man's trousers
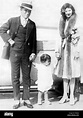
20	61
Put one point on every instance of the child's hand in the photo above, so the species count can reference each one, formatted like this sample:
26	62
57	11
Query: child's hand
58	56
32	57
34	64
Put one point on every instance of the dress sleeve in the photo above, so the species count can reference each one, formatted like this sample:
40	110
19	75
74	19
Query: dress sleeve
62	27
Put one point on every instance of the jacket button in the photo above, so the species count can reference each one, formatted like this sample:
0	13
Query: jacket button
15	32
15	55
15	76
28	43
28	66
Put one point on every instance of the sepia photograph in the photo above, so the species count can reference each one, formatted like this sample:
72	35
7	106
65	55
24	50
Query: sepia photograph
41	58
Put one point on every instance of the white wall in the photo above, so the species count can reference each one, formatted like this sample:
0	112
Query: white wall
45	13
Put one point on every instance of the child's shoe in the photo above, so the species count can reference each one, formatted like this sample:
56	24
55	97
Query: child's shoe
48	102
39	102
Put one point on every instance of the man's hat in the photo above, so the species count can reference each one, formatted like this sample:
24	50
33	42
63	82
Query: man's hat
26	4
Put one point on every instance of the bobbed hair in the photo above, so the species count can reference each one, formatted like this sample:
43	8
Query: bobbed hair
66	5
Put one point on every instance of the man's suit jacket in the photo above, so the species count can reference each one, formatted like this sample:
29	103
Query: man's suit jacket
12	26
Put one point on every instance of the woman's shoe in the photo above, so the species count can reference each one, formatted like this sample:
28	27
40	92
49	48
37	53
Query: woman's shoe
72	101
63	100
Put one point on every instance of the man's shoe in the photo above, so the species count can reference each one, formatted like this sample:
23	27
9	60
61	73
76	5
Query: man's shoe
16	106
28	105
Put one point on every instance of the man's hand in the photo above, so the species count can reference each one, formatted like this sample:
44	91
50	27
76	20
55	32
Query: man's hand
11	42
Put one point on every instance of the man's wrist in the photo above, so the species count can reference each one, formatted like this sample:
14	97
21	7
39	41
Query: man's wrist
11	42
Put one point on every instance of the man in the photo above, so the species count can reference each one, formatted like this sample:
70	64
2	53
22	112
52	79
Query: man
22	40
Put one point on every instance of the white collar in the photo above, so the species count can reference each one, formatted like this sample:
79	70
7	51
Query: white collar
23	21
22	18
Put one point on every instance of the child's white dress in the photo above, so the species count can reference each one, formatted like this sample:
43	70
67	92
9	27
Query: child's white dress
45	79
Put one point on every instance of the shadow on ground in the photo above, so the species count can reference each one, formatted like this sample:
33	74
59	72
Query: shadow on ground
53	96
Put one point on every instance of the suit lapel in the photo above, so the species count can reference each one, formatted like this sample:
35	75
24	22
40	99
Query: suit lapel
14	27
18	23
29	28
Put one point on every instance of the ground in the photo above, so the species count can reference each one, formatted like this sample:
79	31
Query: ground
6	102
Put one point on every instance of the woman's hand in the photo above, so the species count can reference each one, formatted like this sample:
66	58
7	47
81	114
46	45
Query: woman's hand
64	43
76	55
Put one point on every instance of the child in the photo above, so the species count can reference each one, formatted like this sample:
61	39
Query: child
45	80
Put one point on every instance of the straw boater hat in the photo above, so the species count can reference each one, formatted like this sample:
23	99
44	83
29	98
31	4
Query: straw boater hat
26	4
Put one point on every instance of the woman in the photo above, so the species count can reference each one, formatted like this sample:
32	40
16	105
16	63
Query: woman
68	65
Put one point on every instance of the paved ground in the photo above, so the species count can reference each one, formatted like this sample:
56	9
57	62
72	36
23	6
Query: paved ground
6	103
6	110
